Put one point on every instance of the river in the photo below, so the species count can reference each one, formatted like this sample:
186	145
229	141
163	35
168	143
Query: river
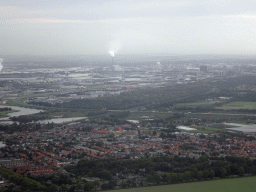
29	111
20	111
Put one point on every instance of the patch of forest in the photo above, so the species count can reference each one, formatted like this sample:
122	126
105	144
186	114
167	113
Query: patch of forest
165	169
154	98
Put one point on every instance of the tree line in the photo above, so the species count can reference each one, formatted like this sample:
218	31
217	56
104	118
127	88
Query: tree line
165	169
5	109
162	97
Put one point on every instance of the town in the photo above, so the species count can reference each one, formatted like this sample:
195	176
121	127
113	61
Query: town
47	151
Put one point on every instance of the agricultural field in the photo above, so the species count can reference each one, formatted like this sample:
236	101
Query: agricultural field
147	115
239	105
204	103
245	184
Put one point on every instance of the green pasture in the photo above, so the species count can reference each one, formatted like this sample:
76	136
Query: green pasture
147	115
199	103
219	104
212	115
10	102
244	184
239	105
4	113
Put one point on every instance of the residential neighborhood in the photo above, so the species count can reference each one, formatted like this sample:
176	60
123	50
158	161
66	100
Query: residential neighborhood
48	151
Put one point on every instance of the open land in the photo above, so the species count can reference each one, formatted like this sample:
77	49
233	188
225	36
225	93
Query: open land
246	184
239	105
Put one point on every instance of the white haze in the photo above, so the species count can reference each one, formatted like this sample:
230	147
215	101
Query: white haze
1	65
39	27
112	53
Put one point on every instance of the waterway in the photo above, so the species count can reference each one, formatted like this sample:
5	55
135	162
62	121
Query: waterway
29	111
19	111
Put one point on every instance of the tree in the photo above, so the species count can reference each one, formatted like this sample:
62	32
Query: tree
150	178
253	169
96	183
79	185
168	178
109	185
63	187
105	174
88	186
153	177
72	188
52	188
206	174
55	180
187	175
223	172
199	175
212	173
241	171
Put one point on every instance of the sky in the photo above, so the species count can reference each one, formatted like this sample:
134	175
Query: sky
93	27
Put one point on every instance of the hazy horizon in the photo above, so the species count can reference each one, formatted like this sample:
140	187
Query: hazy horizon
132	27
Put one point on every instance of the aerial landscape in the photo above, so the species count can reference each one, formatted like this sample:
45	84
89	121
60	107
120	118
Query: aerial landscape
127	96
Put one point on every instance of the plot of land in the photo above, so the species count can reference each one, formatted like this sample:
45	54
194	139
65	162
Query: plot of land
199	103
4	113
238	105
245	184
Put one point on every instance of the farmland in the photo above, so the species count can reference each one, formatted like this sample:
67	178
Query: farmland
228	185
202	103
239	105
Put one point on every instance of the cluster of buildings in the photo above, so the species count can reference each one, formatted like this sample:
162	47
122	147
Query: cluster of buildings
46	151
59	81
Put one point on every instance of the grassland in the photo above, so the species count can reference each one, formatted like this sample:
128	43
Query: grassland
203	103
9	102
219	104
4	113
147	115
238	105
245	184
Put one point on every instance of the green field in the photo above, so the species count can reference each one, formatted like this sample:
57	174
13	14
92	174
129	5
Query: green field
4	113
245	184
199	103
147	115
238	105
217	104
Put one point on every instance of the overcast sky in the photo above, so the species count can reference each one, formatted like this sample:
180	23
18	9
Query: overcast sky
40	27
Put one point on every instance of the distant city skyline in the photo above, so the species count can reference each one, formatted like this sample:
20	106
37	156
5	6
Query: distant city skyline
54	27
